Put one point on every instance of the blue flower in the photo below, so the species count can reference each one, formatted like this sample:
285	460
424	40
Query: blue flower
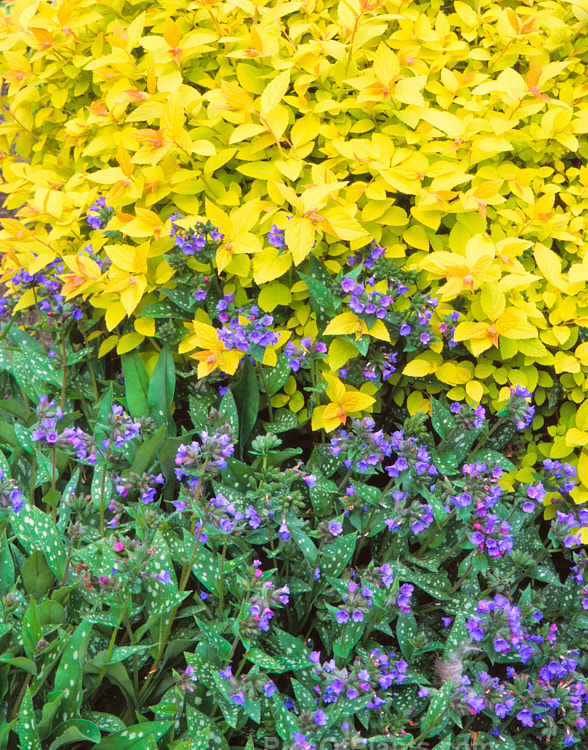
320	718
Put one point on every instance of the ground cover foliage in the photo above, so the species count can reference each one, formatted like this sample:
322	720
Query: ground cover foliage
295	297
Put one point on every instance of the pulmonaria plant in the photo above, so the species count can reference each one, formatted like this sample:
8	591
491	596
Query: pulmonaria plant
325	597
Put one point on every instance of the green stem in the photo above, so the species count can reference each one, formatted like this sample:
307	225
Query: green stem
484	439
63	368
182	585
109	651
222	581
32	484
21	695
270	408
102	487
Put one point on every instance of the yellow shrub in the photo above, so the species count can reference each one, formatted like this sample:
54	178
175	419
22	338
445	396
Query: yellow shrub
452	134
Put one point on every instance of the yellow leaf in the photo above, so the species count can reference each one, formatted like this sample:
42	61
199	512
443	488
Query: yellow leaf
576	437
419	368
107	176
493	301
549	265
273	295
299	237
583	468
277	120
172	119
132	295
317	417
171	32
115	312
342	226
128	342
243	132
379	331
25	300
475	390
408	90
270	265
340	352
274	92
332	416
582	416
354	401
335	388
206	335
107	345
145	326
345	324
513	324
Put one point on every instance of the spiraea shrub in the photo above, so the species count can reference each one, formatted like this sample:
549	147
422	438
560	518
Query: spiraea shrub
249	150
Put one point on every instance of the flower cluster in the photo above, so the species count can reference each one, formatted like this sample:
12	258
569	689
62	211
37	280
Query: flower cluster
520	409
193	241
305	353
210	454
249	327
468	417
362	447
411	457
447	329
10	493
99	214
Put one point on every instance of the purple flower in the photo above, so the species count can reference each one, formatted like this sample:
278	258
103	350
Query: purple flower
526	718
269	689
238	698
315	657
164	576
283	532
320	718
342	616
336	528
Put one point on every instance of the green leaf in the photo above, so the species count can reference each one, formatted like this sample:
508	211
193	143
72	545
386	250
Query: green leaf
96	487
182	297
6	566
304	542
321	300
458	635
438	708
284	420
406	630
493	458
147	451
198	721
441	418
136	383
68	677
75	730
133	738
49	712
228	407
334	559
36	576
275	377
246	393
286	722
101	428
161	390
210	635
27	727
31	630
